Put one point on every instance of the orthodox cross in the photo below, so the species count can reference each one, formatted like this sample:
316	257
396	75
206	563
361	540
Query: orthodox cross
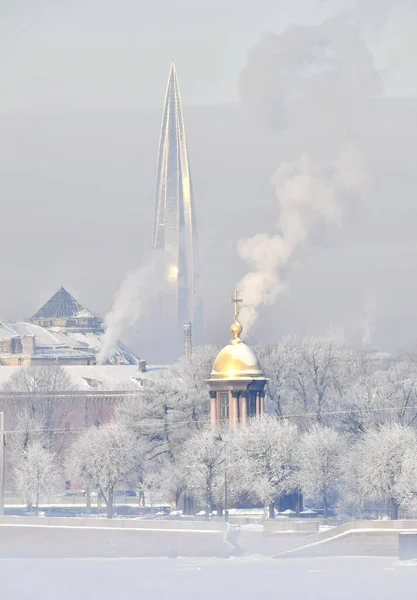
236	300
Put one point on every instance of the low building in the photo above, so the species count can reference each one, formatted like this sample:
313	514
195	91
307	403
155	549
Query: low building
63	332
237	381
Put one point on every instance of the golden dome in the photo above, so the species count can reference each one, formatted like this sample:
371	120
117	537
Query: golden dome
237	360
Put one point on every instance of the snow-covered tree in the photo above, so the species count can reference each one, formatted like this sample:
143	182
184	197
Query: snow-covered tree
166	411
103	457
33	390
27	429
320	370
382	396
191	376
202	466
154	413
36	472
319	456
276	362
264	459
374	465
407	481
307	377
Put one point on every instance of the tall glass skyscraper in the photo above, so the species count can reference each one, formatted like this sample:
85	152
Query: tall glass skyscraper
174	220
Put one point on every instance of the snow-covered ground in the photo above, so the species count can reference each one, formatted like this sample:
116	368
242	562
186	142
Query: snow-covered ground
185	579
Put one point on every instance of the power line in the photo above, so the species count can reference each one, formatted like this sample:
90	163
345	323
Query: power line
175	424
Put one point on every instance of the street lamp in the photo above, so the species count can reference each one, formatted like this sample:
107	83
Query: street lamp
226	491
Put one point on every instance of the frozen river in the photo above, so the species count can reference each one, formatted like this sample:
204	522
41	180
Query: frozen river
183	579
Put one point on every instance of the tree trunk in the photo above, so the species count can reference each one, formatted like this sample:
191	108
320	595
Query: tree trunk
272	510
394	509
209	498
325	507
110	504
88	501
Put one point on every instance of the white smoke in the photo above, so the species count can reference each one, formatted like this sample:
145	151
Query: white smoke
319	81
133	299
309	194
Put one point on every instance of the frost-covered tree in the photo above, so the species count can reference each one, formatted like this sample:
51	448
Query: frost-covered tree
191	375
264	459
173	403
407	481
307	377
36	472
382	396
33	390
374	465
202	466
320	370
166	411
103	457
276	362
319	457
154	413
27	429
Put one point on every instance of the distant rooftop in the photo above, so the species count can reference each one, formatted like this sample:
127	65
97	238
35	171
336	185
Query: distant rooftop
59	344
63	305
98	377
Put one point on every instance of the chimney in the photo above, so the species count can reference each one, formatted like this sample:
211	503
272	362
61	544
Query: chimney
142	366
28	345
188	341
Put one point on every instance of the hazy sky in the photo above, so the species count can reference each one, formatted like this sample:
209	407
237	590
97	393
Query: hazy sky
81	97
114	53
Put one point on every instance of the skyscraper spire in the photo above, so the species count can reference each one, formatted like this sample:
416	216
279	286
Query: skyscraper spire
174	219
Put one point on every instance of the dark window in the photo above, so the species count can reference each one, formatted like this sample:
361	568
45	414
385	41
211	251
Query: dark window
224	406
252	404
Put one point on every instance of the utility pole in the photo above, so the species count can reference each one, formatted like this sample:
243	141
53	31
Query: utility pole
2	462
226	491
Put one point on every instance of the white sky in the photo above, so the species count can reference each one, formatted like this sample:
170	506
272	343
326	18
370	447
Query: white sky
81	94
101	53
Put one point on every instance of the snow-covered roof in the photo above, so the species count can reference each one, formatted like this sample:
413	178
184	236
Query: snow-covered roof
57	342
7	331
63	305
99	377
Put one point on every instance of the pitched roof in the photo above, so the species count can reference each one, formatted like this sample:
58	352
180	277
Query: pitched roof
62	305
7	331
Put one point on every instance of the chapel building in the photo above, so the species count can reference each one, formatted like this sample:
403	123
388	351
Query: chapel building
237	380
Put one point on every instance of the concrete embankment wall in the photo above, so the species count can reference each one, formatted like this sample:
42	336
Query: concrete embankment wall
358	538
30	537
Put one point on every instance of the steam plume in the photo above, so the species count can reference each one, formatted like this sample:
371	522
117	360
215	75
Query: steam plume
308	193
137	291
318	79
